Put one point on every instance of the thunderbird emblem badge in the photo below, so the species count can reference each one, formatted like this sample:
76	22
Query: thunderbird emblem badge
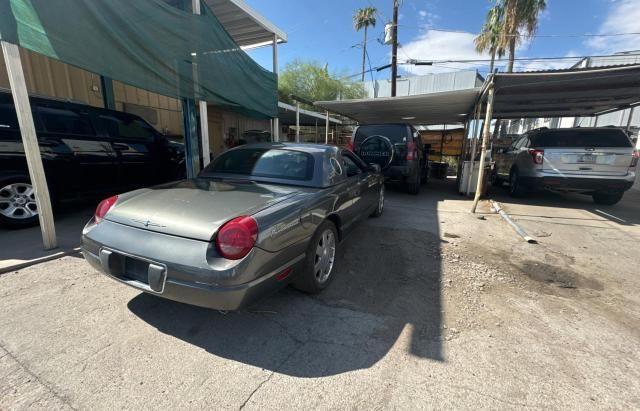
148	223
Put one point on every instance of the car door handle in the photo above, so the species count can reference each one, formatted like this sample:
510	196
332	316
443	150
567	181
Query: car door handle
45	142
120	146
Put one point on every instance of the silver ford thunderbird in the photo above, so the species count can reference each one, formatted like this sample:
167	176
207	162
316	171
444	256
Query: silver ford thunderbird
257	218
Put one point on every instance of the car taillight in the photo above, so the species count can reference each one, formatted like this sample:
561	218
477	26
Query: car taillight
411	151
237	237
634	159
350	146
537	156
104	207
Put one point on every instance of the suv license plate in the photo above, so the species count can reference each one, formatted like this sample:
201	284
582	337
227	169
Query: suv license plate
587	158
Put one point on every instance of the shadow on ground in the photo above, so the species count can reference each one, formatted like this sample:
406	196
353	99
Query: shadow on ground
626	212
386	292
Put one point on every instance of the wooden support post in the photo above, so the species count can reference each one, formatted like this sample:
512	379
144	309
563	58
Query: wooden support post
20	95
485	139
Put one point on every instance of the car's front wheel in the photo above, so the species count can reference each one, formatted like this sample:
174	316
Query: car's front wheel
17	203
516	188
321	255
607	198
414	186
380	205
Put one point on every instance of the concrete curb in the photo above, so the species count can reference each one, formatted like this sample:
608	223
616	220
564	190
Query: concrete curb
19	266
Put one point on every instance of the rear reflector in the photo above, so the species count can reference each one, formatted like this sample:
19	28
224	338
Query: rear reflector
283	275
104	207
537	156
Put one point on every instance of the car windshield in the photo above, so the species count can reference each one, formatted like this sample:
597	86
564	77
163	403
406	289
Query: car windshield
263	162
601	137
396	133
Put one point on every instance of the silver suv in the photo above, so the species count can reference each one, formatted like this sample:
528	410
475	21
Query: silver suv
596	161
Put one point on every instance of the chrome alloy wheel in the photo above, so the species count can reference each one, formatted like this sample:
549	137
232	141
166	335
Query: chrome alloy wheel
325	256
381	200
18	201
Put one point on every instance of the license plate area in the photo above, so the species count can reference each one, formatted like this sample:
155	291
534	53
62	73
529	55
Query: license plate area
586	158
139	272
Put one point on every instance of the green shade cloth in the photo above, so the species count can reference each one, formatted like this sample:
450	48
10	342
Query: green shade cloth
145	43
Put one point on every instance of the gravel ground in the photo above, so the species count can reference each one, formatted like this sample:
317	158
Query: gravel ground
430	308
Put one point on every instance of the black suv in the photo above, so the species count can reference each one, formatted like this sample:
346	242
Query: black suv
85	150
397	148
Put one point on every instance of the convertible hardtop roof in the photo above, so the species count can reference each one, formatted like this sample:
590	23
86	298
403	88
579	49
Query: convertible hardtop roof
307	148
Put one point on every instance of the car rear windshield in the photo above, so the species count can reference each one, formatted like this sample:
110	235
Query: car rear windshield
397	133
582	138
263	162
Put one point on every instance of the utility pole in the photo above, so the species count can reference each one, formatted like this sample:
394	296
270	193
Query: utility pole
394	49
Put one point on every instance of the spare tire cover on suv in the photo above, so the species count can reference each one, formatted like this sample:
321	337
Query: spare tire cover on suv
376	150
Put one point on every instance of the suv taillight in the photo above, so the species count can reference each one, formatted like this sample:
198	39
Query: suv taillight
634	159
411	151
237	237
104	207
350	146
537	156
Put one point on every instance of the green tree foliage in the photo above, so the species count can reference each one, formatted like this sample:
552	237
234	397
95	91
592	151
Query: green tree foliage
364	18
520	22
489	37
312	81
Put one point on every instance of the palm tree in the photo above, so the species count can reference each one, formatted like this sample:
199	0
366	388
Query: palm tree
489	37
520	21
364	18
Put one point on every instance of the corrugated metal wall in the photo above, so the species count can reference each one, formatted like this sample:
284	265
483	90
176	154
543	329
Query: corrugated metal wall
431	83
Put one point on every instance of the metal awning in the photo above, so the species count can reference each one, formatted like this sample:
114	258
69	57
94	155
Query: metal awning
287	116
566	93
247	27
450	107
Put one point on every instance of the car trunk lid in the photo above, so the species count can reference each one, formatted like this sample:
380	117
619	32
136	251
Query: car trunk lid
194	208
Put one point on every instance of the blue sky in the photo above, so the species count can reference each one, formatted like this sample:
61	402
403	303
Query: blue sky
322	31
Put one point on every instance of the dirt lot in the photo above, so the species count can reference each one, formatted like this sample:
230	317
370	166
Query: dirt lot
431	308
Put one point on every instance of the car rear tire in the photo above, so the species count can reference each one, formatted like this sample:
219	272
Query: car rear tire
607	198
380	206
516	188
320	261
18	207
413	188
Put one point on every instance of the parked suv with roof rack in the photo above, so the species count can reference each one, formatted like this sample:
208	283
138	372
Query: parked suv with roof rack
397	148
85	151
600	162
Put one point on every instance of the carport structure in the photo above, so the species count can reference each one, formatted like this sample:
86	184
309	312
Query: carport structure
559	93
192	53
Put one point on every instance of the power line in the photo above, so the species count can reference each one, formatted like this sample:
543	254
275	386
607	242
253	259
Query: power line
532	36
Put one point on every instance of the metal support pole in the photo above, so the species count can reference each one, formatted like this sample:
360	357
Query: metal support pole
108	98
30	145
326	130
191	150
204	115
485	138
630	119
297	121
276	121
316	139
476	137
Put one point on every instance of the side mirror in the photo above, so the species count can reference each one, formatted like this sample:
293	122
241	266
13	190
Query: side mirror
375	167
